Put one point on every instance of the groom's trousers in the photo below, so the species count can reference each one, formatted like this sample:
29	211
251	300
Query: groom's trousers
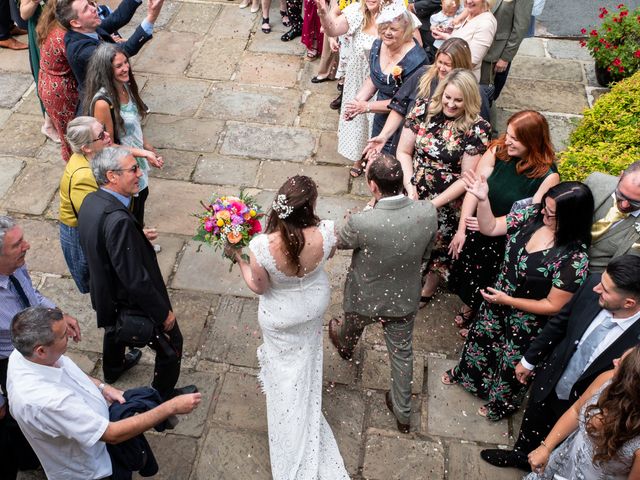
398	334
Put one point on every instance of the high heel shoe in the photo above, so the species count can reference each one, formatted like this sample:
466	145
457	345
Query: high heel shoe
283	15
266	28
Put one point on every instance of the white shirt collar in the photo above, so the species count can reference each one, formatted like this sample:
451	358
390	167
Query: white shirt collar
395	197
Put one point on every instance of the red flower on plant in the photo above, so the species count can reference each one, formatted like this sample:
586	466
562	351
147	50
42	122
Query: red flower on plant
596	49
636	53
583	31
621	69
601	40
623	13
583	43
255	226
594	33
620	6
617	62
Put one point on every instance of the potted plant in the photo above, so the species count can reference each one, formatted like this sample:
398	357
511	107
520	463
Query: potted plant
615	45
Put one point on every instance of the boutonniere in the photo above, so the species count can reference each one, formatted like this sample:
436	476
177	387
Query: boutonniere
396	73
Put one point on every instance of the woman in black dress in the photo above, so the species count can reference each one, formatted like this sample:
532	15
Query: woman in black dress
544	264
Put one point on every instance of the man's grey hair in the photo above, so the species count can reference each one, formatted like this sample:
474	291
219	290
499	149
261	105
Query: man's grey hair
32	327
105	160
6	224
633	168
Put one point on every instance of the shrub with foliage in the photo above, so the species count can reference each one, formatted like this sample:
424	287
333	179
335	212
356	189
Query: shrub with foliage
608	137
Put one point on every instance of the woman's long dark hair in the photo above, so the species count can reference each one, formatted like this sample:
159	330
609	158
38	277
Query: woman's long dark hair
615	418
100	75
300	193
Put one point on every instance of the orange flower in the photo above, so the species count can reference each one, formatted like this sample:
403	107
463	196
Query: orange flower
397	71
234	237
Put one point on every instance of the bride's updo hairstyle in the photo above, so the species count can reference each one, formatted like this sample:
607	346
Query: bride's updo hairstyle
291	211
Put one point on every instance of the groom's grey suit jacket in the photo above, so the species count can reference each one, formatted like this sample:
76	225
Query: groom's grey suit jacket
390	242
618	240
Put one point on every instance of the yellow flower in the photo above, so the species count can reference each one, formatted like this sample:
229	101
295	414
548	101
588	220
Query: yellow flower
252	212
220	222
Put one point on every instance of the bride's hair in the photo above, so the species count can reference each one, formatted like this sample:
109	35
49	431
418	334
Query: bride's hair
615	418
293	210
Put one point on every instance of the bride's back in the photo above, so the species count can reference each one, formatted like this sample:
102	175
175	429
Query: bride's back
310	258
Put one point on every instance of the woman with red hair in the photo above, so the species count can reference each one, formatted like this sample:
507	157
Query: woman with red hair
518	165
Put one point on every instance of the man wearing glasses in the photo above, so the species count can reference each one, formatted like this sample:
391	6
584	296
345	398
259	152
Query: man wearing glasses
616	228
124	272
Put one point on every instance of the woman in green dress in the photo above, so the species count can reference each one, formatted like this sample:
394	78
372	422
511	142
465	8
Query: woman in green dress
519	165
545	262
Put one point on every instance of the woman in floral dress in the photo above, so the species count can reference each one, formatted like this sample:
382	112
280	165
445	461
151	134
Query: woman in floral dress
442	139
544	264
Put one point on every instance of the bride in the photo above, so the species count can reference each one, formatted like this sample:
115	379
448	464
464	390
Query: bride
286	269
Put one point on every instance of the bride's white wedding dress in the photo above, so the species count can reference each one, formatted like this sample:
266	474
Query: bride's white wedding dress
301	443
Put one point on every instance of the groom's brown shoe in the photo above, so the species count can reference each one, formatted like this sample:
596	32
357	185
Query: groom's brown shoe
402	427
333	336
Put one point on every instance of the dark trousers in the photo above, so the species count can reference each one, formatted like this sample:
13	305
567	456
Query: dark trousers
6	23
294	12
168	348
499	80
15	450
539	418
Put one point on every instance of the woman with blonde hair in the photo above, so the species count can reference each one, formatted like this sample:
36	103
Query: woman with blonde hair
394	57
286	268
442	139
518	165
358	23
599	436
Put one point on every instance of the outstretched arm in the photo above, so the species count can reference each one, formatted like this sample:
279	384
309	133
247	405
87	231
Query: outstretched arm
254	275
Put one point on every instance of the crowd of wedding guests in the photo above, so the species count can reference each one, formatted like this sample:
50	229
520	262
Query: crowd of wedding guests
547	271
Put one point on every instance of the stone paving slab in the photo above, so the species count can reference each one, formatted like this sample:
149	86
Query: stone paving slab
330	180
561	97
30	104
465	463
171	247
192	309
233	455
14	86
273	106
234	335
380	418
335	208
45	254
217	169
179	133
15	60
328	150
233	23
168	53
175	455
11	168
194	18
203	269
403	458
186	95
314	113
21	136
309	70
262	43
178	165
5	113
376	371
335	369
268	142
568	50
217	59
241	403
545	69
532	47
268	69
451	411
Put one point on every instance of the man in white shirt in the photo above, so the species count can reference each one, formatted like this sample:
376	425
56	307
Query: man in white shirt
598	324
64	413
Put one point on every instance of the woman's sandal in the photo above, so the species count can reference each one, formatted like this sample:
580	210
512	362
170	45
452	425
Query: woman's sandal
284	15
312	54
358	167
464	332
462	319
266	28
447	380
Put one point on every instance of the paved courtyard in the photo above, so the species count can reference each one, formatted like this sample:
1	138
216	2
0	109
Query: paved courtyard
233	107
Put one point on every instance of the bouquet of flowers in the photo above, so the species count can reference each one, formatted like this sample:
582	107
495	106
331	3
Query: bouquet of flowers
229	220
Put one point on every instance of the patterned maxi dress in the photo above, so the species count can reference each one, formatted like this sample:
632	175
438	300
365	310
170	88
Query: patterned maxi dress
437	163
501	334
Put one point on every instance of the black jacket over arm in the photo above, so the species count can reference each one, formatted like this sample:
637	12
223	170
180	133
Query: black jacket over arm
558	340
79	47
124	271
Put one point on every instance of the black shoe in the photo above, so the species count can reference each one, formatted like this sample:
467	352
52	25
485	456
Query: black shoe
131	358
402	427
337	103
182	391
291	34
505	458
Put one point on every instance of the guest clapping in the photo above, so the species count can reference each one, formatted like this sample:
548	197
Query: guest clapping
544	264
441	139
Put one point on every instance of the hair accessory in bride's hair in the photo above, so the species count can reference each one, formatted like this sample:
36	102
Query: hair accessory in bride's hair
281	208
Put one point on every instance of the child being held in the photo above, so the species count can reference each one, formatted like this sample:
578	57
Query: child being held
443	20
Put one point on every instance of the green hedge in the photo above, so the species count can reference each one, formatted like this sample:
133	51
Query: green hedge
607	139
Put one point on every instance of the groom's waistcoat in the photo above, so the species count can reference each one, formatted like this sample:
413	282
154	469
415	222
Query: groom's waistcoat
390	243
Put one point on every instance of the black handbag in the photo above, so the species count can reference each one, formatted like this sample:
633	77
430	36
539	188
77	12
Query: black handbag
134	328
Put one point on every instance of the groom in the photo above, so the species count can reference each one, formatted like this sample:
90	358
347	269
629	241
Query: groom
390	243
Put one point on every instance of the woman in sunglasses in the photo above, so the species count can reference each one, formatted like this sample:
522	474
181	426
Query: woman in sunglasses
111	96
86	137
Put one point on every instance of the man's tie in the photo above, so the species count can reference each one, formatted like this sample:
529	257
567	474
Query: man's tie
20	291
581	357
603	225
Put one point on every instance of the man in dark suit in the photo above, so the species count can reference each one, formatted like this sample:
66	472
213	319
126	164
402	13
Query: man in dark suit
124	271
598	324
85	30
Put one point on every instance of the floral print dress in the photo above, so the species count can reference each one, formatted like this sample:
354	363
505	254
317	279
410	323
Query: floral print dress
501	335
437	163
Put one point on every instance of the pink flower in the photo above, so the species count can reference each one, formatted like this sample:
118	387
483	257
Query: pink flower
255	227
208	225
583	31
620	6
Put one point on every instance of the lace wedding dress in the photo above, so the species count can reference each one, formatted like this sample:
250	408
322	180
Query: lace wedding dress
301	443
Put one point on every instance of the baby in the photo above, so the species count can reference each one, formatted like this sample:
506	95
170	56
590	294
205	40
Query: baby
443	20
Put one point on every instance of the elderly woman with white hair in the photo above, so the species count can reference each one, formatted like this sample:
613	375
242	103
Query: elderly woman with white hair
478	28
394	57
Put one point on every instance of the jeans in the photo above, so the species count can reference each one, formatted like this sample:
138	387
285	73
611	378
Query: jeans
74	256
